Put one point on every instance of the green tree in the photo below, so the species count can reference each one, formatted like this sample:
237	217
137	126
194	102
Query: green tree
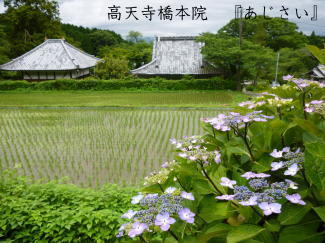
4	46
112	67
137	54
28	22
100	38
227	55
316	40
275	33
134	36
296	62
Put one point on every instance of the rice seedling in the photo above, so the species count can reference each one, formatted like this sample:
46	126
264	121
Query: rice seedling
93	146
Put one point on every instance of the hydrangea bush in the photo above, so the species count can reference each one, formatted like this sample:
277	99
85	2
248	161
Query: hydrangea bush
258	175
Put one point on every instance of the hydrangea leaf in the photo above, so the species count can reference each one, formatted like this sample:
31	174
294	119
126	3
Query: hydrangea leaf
273	225
300	233
314	163
321	212
211	210
293	214
212	230
243	232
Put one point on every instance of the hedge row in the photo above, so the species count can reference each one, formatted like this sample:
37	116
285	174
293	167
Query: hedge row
145	84
60	213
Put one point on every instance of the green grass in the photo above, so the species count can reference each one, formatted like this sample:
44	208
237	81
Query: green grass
93	146
121	98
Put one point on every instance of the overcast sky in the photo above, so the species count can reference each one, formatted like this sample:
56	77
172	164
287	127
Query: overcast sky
219	12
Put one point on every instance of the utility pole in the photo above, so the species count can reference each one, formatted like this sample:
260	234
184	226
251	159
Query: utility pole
275	82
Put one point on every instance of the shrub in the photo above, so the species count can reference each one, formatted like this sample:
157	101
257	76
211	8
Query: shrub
256	176
117	84
56	212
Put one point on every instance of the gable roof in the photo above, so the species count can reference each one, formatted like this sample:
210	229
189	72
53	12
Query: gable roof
176	56
319	71
52	55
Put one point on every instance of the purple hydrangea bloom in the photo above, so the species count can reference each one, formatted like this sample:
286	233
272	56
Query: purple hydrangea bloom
225	197
291	184
277	165
276	154
137	199
129	214
164	221
137	229
170	190
295	198
317	102
217	158
292	170
188	196
250	202
269	208
227	182
186	215
288	77
249	175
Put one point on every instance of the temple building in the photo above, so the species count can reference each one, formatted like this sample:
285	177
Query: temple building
176	56
53	59
318	73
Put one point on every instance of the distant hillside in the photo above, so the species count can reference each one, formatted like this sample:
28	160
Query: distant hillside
91	39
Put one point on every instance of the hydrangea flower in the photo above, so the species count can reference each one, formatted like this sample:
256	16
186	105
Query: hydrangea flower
137	199
226	197
227	182
295	198
251	104
186	215
170	190
129	214
188	196
292	170
164	221
276	154
277	165
278	102
235	120
288	77
291	184
249	175
315	106
137	229
250	202
269	208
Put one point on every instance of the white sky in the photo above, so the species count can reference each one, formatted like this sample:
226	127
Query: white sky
93	13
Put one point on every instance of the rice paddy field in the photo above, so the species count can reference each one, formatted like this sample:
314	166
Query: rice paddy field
93	146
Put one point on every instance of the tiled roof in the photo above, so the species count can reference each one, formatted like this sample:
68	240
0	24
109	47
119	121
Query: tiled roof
319	71
52	55
176	56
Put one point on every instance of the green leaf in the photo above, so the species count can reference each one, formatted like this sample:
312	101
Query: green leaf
219	230
210	209
321	212
309	127
293	214
243	232
273	225
300	233
314	163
